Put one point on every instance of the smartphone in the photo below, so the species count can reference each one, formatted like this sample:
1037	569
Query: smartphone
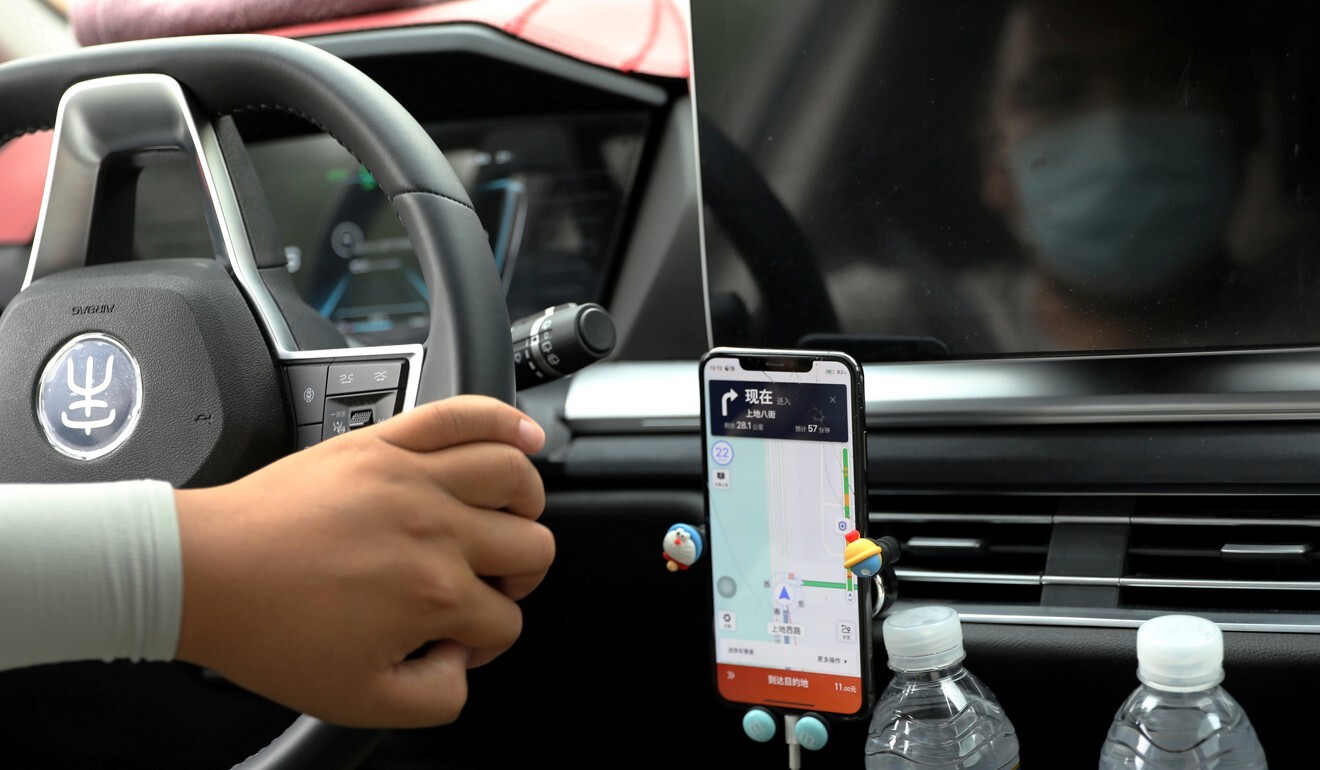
785	466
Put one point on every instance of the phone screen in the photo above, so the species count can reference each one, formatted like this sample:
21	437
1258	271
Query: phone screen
782	470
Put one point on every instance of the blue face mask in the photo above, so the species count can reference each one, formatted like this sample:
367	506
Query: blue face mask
1120	204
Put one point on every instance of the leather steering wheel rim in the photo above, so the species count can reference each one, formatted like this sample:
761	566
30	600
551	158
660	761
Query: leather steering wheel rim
467	350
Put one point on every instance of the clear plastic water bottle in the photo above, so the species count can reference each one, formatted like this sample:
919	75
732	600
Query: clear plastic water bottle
1180	718
935	715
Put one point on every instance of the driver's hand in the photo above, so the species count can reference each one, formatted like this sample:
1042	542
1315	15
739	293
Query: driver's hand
313	580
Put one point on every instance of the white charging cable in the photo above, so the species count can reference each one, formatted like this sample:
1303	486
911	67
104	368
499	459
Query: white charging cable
790	736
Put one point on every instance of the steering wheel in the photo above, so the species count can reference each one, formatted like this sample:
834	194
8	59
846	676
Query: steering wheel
213	340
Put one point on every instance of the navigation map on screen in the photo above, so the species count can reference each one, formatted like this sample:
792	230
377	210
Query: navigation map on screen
781	498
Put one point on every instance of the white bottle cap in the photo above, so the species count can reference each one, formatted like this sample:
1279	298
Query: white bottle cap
923	639
1180	653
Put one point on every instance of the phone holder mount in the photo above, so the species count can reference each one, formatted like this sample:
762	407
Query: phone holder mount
875	559
865	558
683	546
808	730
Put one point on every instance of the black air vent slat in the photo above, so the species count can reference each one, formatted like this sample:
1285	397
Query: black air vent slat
1173	552
989	550
1244	557
1221	554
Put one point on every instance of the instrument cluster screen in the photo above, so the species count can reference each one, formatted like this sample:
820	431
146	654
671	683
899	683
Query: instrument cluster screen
550	191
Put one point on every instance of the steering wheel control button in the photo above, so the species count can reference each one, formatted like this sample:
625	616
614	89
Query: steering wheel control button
360	378
345	413
307	387
89	396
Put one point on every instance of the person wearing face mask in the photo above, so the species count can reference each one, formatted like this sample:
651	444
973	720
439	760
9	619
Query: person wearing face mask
1121	202
1113	152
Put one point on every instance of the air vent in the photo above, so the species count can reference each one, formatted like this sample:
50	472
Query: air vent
971	552
1251	563
1223	562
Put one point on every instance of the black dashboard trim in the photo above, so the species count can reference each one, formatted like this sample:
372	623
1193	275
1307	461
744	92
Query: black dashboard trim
490	43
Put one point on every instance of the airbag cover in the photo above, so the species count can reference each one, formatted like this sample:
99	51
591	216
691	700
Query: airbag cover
211	406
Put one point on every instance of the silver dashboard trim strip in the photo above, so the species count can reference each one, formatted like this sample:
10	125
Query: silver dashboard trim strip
996	578
1270	385
989	518
1294	623
1078	580
1029	518
980	578
661	396
1258	585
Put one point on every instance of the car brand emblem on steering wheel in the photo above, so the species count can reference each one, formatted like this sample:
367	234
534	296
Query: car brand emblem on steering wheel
89	396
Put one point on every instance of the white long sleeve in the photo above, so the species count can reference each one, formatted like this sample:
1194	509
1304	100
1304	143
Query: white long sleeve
89	571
